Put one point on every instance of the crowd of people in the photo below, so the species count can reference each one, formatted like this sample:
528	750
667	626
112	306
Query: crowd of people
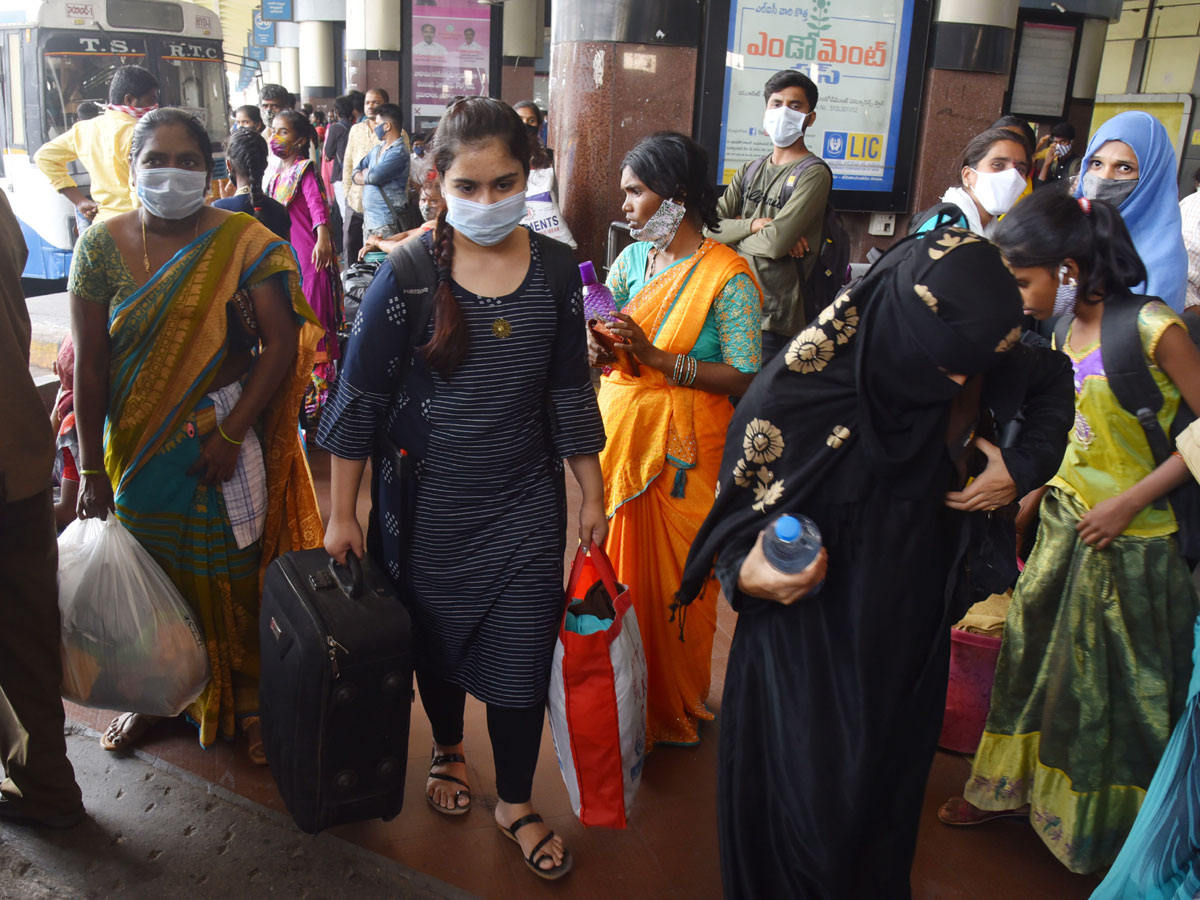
961	412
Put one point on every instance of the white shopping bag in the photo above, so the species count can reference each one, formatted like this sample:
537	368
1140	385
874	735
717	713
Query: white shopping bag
129	640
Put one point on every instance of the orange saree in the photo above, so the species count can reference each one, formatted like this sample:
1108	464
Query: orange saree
660	474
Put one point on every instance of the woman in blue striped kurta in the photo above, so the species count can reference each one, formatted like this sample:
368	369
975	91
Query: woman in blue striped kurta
495	398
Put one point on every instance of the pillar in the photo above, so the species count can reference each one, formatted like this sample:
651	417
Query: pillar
611	65
373	44
290	68
971	50
318	80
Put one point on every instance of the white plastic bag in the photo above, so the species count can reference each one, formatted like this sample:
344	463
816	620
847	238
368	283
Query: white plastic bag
129	639
541	211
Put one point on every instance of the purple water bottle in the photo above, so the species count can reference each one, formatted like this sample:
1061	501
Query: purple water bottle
598	300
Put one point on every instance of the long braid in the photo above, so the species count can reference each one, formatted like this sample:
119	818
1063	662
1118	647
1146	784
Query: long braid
247	151
473	121
450	340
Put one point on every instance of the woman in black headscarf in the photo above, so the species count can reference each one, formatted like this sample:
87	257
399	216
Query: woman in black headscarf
833	704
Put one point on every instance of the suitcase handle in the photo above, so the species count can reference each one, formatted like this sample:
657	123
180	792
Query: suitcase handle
353	589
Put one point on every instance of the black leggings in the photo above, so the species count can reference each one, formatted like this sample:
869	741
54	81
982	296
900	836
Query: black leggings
516	733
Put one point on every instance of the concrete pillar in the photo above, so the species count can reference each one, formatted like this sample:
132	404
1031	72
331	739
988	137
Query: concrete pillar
290	65
1091	54
318	79
271	72
609	64
373	44
524	28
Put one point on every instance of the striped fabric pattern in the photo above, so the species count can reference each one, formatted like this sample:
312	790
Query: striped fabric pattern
487	532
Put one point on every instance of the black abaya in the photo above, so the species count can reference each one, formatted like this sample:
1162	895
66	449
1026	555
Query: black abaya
832	709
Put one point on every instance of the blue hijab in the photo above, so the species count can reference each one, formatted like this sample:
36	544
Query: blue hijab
1151	212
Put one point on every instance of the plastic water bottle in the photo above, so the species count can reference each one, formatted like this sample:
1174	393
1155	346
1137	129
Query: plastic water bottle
791	543
598	301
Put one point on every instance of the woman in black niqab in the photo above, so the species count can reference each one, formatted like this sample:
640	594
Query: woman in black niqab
833	704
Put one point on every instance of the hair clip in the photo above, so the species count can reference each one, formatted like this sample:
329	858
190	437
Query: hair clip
1086	205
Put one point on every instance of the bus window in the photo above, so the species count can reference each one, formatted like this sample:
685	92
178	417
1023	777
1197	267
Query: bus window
198	85
16	102
74	77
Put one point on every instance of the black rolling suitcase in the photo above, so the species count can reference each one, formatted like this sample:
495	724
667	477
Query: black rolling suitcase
336	688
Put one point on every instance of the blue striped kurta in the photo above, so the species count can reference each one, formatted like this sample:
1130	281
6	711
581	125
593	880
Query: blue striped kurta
487	533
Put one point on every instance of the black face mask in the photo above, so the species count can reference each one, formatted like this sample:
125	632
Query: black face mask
1110	190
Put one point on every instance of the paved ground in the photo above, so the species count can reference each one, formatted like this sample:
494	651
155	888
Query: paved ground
156	831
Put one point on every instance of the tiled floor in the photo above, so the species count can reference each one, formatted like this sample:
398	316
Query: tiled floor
670	849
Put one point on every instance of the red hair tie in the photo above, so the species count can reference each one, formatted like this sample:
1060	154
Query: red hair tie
1086	205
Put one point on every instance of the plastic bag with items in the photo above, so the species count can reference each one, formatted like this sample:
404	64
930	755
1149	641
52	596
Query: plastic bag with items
129	640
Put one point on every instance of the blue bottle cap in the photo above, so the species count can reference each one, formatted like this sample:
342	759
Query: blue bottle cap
787	528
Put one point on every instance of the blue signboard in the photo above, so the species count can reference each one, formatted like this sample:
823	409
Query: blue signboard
264	31
865	58
258	53
245	76
277	10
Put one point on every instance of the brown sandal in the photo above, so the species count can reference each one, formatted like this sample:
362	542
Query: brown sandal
124	732
445	759
255	749
960	811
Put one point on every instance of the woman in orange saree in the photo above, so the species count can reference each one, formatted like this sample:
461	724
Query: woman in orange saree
690	314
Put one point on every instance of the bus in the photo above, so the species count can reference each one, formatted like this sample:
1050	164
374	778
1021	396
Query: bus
55	54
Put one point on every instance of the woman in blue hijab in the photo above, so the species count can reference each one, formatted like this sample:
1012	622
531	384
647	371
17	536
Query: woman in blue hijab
1131	164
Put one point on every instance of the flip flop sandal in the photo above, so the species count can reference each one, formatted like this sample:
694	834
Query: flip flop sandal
958	811
126	730
534	858
442	760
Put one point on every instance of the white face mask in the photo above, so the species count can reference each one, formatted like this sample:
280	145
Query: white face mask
486	224
171	193
998	191
784	125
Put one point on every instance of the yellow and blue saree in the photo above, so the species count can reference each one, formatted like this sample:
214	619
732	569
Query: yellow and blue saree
168	339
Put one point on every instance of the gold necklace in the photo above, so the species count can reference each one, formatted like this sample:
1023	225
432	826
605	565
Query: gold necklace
146	247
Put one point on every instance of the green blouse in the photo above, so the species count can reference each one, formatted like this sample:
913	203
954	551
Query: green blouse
732	332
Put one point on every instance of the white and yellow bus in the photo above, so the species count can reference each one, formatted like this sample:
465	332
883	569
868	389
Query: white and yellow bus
55	54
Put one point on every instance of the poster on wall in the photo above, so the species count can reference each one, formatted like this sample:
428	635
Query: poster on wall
451	55
857	52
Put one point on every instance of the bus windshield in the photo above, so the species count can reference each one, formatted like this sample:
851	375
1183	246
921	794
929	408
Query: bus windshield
198	85
73	73
78	67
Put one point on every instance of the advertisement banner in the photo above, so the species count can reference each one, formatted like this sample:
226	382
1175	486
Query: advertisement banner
258	53
264	31
856	51
450	56
277	10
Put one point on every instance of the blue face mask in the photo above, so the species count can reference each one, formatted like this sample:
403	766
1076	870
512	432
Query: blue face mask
171	193
486	224
380	131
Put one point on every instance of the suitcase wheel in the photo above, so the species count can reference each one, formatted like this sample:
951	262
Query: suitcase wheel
346	779
388	768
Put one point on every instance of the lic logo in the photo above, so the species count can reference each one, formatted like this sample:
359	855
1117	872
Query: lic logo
835	145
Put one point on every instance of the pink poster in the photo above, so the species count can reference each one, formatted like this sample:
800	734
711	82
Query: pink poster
450	53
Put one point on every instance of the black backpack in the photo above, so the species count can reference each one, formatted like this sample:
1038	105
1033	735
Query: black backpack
941	214
832	269
1130	380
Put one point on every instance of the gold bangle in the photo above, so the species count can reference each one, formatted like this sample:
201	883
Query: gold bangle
221	431
91	472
